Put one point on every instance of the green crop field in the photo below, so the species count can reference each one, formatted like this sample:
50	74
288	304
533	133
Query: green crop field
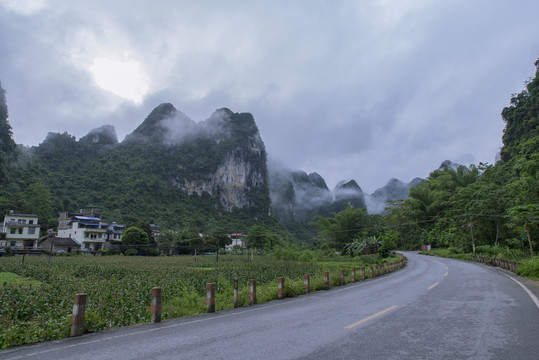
36	297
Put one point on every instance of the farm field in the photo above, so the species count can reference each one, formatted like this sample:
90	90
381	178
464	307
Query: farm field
36	297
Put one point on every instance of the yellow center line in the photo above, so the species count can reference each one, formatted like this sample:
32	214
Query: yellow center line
370	317
433	285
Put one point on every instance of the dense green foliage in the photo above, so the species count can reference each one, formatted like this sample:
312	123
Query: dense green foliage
484	205
529	268
119	288
344	227
6	141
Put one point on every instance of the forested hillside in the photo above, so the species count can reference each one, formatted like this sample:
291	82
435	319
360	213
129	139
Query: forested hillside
487	205
170	171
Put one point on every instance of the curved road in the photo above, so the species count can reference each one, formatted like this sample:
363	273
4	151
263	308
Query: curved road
434	308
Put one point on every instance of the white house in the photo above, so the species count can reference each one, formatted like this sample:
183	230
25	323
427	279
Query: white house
87	231
19	231
237	240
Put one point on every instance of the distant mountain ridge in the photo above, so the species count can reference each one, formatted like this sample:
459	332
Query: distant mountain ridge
178	172
393	190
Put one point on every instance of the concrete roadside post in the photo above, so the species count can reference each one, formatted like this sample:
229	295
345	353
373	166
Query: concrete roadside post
252	292
210	297
371	273
156	305
307	283
362	273
235	290
79	309
353	274
326	278
342	277
280	287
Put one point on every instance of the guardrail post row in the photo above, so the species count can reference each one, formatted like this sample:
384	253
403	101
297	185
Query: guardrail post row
156	305
79	309
210	297
280	287
353	274
362	273
307	283
252	292
326	278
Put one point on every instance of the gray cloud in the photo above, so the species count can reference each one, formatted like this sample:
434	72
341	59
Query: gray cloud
364	90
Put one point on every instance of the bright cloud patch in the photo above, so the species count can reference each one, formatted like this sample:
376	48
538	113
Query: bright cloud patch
24	7
125	78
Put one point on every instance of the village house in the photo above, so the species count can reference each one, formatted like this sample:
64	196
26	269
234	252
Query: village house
58	245
238	240
19	231
87	231
114	237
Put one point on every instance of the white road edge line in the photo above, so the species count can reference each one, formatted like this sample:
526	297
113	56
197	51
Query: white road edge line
532	296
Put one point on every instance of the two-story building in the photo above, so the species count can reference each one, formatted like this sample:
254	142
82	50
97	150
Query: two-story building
19	231
87	231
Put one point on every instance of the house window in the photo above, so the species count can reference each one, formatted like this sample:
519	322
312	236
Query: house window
31	231
13	231
13	243
31	222
20	231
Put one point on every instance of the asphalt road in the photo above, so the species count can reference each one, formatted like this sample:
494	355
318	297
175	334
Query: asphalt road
434	308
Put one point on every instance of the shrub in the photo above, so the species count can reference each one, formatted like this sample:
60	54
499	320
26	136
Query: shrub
9	252
151	252
306	256
104	252
529	268
131	252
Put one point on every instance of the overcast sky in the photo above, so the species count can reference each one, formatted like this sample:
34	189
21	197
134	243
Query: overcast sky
364	90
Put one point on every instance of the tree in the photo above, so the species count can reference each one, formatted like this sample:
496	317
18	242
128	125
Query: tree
527	216
221	239
166	240
389	243
37	199
188	241
135	238
257	237
218	240
345	226
7	145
